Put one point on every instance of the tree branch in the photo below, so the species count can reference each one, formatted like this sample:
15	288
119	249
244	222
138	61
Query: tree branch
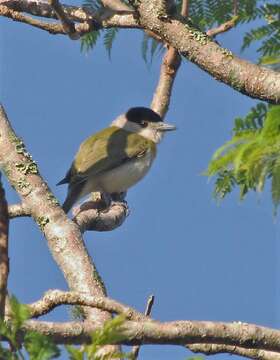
212	349
170	65
18	210
247	78
138	329
150	332
104	18
227	25
168	70
243	76
63	236
67	24
54	298
4	257
223	27
91	218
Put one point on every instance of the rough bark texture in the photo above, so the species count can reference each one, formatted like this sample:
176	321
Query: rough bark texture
63	236
168	333
245	77
212	349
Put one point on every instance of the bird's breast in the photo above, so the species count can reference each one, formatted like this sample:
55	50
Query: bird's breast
126	175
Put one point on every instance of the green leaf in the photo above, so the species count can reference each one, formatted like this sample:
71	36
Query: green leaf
109	37
144	48
40	347
109	334
88	41
7	354
20	313
74	353
251	156
275	186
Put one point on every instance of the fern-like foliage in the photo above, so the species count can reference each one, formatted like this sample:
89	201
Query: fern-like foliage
89	41
108	39
252	155
267	34
206	14
150	47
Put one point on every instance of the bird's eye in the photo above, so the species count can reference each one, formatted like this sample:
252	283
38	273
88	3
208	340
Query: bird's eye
144	123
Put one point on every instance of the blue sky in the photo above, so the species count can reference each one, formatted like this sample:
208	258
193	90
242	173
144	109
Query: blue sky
201	260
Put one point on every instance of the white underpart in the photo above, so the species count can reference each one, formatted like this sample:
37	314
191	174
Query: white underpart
148	132
121	177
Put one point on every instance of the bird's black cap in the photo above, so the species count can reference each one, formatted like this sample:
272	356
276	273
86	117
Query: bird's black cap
138	114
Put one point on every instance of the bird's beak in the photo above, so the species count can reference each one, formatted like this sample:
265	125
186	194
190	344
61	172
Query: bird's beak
163	126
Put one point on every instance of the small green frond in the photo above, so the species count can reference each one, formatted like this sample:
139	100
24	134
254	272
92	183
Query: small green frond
20	313
109	334
74	353
150	47
155	45
271	61
40	347
268	33
108	39
275	185
144	47
88	41
251	156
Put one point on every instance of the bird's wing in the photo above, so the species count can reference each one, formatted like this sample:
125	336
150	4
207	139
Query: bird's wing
106	150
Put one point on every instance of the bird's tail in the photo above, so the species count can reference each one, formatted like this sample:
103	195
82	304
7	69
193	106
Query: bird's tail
74	194
69	202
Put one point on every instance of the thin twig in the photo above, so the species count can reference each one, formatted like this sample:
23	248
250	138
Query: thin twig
18	210
169	68
223	27
54	298
185	8
226	25
4	258
148	310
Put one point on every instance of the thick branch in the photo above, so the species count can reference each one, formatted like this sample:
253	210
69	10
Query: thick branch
142	330
212	349
4	257
63	236
168	333
105	18
247	78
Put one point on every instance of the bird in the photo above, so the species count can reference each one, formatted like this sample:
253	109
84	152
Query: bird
117	157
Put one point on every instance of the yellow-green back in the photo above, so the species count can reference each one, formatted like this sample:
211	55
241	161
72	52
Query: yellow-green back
108	149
